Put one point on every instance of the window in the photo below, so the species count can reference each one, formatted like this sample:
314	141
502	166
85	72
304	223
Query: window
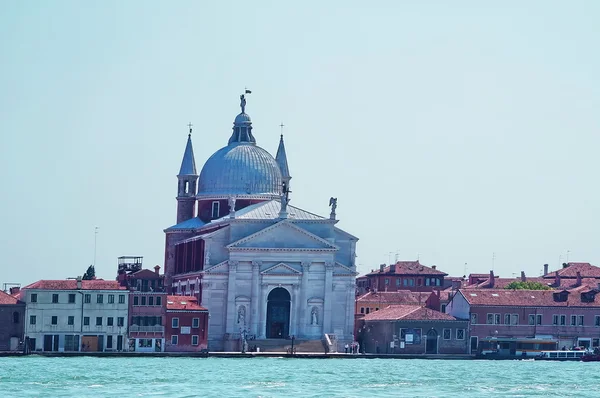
54	320
376	308
215	212
121	299
580	320
405	281
98	321
573	320
531	319
362	310
54	298
99	298
447	334
158	301
443	308
120	321
86	321
194	340
555	319
109	341
563	319
497	319
411	282
151	300
87	298
111	299
175	322
143	300
367	310
597	320
490	319
32	319
474	319
460	334
34	297
15	317
426	281
71	298
514	319
71	320
195	322
109	321
538	319
397	281
387	281
507	319
437	282
136	300
174	339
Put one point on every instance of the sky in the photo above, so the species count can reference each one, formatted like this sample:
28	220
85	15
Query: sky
464	134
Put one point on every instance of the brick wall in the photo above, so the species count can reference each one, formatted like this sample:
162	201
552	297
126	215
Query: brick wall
8	327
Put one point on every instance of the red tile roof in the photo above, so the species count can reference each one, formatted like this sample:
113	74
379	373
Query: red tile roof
525	298
586	270
501	283
409	268
188	303
71	284
407	313
398	297
7	299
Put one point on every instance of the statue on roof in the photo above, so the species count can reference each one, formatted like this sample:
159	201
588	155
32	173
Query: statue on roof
333	204
243	103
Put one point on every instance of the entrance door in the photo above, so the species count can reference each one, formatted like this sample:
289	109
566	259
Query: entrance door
474	343
278	314
119	343
431	346
48	342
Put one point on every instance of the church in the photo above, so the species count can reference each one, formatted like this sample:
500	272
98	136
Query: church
263	268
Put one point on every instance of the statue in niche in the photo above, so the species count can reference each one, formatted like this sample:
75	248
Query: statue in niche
241	315
314	316
206	257
231	203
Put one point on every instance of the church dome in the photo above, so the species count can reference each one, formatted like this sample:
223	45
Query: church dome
241	168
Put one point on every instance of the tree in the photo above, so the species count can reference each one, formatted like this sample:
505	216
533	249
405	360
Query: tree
89	274
518	285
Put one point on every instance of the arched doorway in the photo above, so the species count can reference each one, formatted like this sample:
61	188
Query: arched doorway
278	314
432	342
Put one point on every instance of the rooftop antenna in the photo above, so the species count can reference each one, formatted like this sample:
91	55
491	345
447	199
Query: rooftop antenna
568	252
390	257
95	244
465	270
493	260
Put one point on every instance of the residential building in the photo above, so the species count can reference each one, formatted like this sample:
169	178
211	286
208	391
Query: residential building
76	315
12	317
571	318
402	275
262	267
147	304
412	329
187	325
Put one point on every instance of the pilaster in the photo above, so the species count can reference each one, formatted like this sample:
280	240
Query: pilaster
231	310
255	308
328	297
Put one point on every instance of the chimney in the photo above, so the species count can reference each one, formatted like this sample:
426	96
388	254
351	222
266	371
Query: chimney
456	284
14	290
556	279
578	278
545	269
492	279
79	283
381	267
157	269
393	268
434	267
565	265
523	278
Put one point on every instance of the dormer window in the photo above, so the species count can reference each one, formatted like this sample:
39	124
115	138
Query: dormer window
588	297
215	210
561	296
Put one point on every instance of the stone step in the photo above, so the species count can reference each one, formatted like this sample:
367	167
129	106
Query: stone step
282	345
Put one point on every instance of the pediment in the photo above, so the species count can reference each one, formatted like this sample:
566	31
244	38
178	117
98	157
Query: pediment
219	268
341	269
283	235
280	269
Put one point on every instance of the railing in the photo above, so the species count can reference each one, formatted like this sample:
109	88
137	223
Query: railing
136	328
331	341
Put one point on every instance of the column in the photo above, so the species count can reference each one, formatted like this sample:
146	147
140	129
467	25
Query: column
254	305
294	315
231	310
262	307
303	298
350	309
328	297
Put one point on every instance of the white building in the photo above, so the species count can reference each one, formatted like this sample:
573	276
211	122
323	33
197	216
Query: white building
74	315
260	265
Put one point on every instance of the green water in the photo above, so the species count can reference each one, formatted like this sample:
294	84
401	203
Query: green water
276	377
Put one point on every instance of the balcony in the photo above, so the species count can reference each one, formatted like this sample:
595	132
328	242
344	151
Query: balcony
147	329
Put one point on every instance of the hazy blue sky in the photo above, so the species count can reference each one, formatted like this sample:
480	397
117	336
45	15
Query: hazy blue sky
448	130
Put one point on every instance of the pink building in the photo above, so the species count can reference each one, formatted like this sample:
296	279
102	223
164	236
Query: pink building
402	275
570	318
187	325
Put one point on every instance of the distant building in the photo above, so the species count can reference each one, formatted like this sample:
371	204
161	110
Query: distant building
187	325
12	318
571	318
147	304
76	315
403	275
412	329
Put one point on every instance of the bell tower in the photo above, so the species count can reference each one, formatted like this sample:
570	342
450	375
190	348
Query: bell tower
187	180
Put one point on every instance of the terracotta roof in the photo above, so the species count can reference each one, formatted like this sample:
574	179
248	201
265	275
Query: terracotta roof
407	313
7	299
525	298
586	270
71	284
398	297
501	283
188	303
409	268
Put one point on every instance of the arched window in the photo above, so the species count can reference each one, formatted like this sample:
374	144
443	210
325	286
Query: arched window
15	317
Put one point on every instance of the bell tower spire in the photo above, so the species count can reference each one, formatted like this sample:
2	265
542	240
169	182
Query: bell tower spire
187	181
281	159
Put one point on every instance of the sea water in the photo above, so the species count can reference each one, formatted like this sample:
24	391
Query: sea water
36	376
